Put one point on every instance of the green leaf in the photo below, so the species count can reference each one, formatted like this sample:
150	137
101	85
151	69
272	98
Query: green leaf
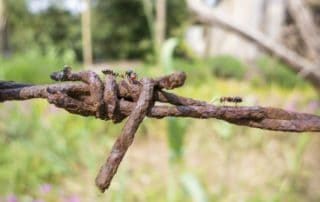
176	132
193	187
166	57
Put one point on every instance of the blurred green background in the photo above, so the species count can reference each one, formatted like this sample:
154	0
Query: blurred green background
47	154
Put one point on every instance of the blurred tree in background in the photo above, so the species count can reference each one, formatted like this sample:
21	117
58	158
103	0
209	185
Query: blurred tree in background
119	28
54	27
48	154
114	20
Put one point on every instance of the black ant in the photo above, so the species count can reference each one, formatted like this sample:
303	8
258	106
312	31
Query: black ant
235	99
130	75
111	72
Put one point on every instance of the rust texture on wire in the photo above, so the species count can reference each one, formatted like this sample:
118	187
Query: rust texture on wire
126	137
84	93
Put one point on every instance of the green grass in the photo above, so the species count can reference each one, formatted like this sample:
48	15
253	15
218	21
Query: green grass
34	65
273	71
226	66
41	144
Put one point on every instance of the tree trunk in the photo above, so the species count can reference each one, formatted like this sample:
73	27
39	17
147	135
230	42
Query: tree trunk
274	18
3	40
314	3
160	24
304	20
223	41
86	34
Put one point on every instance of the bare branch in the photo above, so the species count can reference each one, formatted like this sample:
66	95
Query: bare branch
297	63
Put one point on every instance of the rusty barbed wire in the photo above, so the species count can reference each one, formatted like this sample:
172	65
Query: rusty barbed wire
112	100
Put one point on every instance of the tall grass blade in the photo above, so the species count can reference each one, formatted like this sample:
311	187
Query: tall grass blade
166	57
193	187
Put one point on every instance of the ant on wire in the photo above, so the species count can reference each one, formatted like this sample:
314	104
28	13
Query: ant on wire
235	99
130	75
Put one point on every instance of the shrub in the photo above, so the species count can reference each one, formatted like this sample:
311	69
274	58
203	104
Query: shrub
273	71
226	66
34	65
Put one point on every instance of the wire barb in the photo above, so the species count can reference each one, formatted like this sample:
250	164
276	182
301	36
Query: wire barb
116	100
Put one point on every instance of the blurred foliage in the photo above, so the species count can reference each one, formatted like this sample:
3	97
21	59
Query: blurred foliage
193	188
273	71
226	66
166	56
50	155
118	28
55	28
35	65
179	177
40	144
36	149
176	132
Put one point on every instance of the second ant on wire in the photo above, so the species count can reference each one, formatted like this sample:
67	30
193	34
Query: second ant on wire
234	99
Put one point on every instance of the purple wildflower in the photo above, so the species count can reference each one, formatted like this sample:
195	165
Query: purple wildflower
11	198
38	200
45	188
73	198
290	105
312	106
